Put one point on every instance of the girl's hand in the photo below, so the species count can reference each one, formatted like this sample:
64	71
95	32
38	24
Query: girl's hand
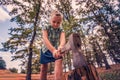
60	47
59	50
56	54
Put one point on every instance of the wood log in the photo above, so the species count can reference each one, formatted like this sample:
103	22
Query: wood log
83	70
83	73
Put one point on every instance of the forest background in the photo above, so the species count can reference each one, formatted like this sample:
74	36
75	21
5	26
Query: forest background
97	21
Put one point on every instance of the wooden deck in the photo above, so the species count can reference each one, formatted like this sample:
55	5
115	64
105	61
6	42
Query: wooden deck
7	75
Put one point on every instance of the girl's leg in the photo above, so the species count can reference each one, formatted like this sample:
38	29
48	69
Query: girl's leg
58	69
43	71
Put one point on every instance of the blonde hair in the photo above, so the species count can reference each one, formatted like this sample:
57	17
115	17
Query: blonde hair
56	13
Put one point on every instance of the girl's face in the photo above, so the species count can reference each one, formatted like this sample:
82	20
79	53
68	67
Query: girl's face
55	21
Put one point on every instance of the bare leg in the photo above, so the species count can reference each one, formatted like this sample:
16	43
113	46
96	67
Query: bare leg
43	71
58	69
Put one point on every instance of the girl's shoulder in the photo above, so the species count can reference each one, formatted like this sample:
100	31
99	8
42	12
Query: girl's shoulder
61	29
46	26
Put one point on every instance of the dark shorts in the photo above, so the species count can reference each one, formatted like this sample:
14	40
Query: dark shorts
46	57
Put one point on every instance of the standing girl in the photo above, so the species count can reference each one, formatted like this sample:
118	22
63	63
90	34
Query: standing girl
54	40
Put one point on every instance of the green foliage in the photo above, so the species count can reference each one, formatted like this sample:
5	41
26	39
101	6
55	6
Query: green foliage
23	71
14	70
2	64
113	75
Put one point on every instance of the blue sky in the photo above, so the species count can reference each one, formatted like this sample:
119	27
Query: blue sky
5	24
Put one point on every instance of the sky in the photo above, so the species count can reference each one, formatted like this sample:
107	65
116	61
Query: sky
5	24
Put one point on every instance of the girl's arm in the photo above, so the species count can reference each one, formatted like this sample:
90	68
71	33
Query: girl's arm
47	42
62	40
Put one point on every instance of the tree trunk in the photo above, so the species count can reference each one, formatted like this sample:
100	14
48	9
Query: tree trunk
98	59
112	55
103	57
29	70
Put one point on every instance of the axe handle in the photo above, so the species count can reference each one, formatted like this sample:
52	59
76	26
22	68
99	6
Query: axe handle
64	50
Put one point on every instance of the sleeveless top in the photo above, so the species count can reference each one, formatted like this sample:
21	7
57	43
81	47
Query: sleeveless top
53	36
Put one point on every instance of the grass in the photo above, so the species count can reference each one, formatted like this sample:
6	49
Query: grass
113	75
110	74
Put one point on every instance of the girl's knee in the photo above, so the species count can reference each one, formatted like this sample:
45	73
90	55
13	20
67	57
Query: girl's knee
59	61
43	66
